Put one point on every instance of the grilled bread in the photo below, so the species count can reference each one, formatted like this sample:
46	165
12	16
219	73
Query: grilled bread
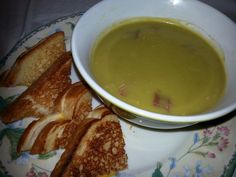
55	135
100	151
71	147
39	99
34	128
46	139
99	112
35	61
59	134
74	126
73	100
76	100
52	132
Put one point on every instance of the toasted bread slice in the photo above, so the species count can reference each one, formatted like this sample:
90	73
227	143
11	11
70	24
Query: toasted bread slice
77	99
79	132
35	61
83	106
39	99
74	125
34	128
99	112
71	147
46	139
100	151
74	99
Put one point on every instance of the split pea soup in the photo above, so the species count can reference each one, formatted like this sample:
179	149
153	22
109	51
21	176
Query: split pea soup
159	65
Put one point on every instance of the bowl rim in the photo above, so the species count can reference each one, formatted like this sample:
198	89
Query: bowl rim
132	109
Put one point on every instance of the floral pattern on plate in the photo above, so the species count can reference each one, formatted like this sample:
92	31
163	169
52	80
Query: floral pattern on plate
204	150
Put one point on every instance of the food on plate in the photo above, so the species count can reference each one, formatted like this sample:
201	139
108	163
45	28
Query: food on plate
35	61
47	139
66	156
57	135
99	152
64	118
53	131
159	65
30	134
38	99
99	112
76	98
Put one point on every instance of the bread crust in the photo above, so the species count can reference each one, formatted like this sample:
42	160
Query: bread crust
92	139
30	134
73	100
71	147
33	62
38	100
52	129
99	152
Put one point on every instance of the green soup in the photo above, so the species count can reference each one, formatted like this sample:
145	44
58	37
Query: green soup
159	65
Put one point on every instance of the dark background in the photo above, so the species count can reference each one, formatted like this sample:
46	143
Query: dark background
19	17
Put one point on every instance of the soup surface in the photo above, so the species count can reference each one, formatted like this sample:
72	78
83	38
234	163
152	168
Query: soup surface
159	65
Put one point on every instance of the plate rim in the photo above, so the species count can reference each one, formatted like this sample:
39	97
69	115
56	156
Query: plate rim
24	38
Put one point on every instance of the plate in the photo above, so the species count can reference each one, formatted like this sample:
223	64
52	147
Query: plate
207	149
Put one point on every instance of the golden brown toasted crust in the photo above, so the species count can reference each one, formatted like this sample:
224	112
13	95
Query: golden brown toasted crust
57	135
77	105
33	129
52	132
69	96
83	106
39	99
71	147
39	143
73	99
53	135
45	141
24	144
82	113
35	61
99	112
100	152
68	133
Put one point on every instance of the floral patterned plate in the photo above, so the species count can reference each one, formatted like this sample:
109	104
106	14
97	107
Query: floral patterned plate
207	149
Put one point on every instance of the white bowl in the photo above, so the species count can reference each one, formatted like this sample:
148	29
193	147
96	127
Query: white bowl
209	22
